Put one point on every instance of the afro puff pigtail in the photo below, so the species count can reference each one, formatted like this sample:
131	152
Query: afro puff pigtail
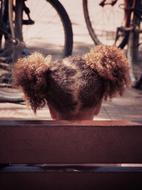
29	74
112	66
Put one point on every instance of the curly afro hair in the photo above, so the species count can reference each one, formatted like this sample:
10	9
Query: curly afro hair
111	64
73	84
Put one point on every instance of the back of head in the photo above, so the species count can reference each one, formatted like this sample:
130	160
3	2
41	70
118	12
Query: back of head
73	85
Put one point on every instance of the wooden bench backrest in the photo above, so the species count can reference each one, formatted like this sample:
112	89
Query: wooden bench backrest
61	142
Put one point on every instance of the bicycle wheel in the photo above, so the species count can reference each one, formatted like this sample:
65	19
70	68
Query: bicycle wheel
104	23
7	34
4	24
18	19
10	21
52	31
1	13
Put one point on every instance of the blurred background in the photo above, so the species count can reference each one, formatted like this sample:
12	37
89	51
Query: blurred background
63	28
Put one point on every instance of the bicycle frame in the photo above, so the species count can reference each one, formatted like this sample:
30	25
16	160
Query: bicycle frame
132	18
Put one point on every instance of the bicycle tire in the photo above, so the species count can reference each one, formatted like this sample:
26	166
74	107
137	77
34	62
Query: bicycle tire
67	26
92	32
68	46
7	27
14	22
1	33
18	20
4	30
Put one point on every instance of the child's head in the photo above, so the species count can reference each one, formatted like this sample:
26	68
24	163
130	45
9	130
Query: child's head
73	88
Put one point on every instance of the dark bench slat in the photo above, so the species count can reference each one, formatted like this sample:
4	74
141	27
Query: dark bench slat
64	150
40	143
70	181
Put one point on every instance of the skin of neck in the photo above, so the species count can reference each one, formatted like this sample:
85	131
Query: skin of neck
87	114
